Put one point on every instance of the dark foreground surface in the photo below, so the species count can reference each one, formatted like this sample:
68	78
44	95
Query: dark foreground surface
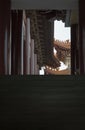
42	102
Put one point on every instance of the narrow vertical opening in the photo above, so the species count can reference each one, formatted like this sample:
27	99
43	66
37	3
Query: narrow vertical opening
62	46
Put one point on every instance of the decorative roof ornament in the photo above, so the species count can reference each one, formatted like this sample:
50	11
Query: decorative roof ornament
63	49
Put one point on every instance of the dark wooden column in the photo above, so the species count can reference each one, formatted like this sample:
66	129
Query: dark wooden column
73	46
14	30
74	49
16	42
19	42
82	35
4	33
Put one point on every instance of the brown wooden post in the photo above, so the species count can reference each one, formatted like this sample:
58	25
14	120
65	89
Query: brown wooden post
19	42
74	49
4	33
16	42
82	36
14	29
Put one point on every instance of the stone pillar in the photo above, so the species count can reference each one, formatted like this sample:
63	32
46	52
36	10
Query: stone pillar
32	57
27	49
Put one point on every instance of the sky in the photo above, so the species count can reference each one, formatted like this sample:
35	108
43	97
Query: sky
61	33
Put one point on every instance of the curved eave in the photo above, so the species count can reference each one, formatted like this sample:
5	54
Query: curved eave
62	72
62	45
53	62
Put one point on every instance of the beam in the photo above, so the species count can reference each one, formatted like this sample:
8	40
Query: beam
44	4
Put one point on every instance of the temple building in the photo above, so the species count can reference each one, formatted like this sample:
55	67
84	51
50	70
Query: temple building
63	53
27	38
33	102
